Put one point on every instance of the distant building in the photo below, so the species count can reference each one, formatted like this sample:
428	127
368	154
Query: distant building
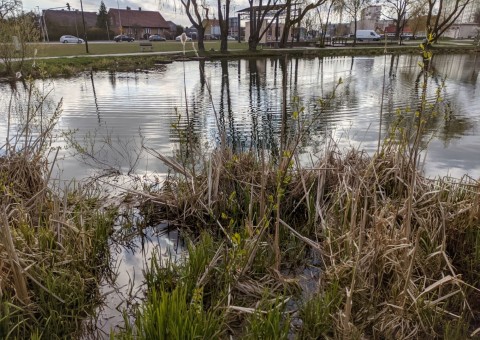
273	33
234	27
391	30
172	30
212	28
369	18
191	32
371	13
64	22
462	31
468	14
137	23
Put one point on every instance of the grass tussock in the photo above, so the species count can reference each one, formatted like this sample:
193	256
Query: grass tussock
53	241
397	260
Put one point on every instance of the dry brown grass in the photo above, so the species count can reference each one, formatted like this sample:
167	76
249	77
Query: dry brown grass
406	258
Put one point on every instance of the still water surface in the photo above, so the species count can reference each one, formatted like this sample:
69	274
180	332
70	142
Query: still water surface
245	98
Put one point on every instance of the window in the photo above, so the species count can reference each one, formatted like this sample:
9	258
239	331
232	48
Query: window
148	30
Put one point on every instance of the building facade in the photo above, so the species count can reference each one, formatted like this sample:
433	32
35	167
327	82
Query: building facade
139	24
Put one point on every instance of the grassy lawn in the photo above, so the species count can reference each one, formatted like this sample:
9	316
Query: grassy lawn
58	50
103	48
127	56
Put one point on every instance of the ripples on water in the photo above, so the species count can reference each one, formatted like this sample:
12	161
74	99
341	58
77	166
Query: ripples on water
246	97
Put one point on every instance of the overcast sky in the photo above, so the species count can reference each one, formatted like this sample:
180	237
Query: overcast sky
166	7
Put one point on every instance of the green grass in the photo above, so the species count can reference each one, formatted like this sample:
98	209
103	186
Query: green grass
63	50
55	59
103	48
171	315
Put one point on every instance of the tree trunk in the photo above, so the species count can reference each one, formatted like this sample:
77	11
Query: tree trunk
355	32
223	21
252	43
201	38
286	31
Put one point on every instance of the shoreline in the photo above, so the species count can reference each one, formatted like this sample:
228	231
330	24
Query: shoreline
66	66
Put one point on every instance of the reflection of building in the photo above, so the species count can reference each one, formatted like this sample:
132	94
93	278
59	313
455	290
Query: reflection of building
137	23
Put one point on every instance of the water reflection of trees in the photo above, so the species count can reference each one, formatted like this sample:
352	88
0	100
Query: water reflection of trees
248	94
430	99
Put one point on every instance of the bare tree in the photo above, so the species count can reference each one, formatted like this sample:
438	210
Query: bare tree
197	13
417	17
324	13
9	8
441	15
223	21
16	37
396	10
266	12
353	8
302	9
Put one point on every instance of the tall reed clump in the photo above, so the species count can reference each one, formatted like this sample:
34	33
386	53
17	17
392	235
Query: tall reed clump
53	240
398	252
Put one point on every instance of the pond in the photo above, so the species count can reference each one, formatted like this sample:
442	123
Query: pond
119	112
111	115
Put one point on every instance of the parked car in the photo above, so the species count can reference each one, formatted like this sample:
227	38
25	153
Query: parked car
231	38
123	37
70	39
156	37
178	38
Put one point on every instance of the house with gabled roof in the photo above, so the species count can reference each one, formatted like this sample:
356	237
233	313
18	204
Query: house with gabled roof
139	24
61	22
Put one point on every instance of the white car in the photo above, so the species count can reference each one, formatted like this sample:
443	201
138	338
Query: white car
178	38
70	39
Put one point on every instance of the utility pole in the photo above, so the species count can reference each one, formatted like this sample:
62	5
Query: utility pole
108	32
76	27
119	18
84	30
40	22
